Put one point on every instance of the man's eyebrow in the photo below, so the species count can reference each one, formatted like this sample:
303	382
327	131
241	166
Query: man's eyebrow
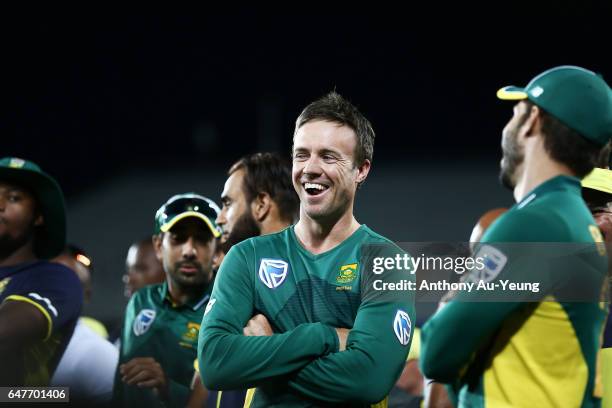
16	189
332	151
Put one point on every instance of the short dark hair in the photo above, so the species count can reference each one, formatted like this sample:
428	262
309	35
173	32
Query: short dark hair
269	173
334	108
568	146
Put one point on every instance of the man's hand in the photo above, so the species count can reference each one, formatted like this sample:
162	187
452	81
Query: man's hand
258	326
342	336
145	372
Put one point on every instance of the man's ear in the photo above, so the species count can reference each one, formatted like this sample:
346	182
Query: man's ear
260	206
533	122
157	245
39	221
363	170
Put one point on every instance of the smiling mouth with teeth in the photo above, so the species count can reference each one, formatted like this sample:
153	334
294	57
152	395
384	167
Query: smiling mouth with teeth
314	188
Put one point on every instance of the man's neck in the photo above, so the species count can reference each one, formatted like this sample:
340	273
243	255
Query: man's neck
181	295
21	255
320	236
537	172
270	226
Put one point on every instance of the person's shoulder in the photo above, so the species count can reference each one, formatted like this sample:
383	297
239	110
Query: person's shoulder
147	294
263	240
538	222
46	267
373	239
148	290
46	273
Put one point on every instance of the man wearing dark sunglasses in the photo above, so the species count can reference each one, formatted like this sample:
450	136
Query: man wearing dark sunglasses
159	339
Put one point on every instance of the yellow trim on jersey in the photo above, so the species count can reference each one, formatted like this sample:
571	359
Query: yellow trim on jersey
166	227
415	347
382	404
508	95
606	377
219	399
42	309
540	347
248	398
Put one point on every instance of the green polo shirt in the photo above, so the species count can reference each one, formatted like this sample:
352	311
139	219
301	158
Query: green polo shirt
155	327
528	352
305	296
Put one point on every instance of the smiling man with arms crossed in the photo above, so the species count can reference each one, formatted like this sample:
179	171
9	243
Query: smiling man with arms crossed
311	283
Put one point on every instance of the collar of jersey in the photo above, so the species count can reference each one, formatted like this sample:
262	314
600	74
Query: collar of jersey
193	304
296	242
557	183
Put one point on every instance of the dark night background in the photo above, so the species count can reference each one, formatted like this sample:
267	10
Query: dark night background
125	111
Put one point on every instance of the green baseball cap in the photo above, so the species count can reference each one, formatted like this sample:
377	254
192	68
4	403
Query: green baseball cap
185	205
579	98
52	238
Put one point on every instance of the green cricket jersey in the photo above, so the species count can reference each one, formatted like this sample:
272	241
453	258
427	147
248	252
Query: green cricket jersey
540	353
306	296
155	327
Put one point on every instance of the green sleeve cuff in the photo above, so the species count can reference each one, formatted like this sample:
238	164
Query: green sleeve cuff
330	338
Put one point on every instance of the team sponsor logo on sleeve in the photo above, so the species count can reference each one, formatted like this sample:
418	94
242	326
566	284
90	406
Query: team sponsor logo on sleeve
143	321
272	272
402	326
209	306
45	300
494	261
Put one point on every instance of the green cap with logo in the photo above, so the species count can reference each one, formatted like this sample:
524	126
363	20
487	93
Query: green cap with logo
577	97
186	205
51	238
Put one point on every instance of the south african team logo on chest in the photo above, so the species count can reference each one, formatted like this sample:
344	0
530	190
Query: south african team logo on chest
346	274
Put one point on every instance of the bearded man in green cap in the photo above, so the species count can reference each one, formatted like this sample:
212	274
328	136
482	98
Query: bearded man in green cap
535	349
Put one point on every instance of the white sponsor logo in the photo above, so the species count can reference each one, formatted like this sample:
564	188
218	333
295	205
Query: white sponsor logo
402	327
494	261
46	300
537	91
143	321
209	306
272	272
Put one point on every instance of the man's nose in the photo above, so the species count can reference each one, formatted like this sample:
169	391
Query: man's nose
312	166
189	249
221	217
